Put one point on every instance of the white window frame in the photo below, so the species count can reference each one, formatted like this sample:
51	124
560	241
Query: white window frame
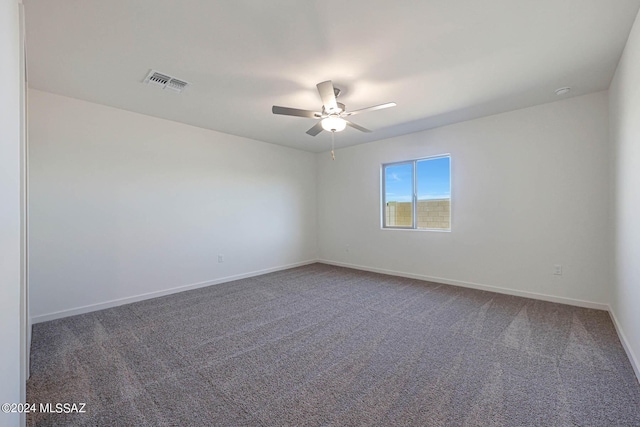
414	198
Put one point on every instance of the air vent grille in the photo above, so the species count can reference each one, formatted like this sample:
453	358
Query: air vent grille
177	85
165	82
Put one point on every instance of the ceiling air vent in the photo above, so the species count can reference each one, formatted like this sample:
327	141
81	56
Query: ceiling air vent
165	82
177	85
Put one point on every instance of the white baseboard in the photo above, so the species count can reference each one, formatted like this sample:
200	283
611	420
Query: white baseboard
625	344
127	300
507	291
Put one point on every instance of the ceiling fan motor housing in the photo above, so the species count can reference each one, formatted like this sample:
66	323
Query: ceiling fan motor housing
341	108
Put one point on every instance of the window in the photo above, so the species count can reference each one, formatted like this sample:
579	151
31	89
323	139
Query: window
416	194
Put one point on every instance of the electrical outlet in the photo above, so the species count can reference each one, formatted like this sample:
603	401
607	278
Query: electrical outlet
347	248
557	269
220	258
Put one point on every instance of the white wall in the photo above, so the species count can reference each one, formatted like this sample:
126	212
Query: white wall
124	205
624	98
529	190
11	335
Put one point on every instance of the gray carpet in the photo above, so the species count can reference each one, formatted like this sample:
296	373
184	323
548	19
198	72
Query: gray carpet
323	345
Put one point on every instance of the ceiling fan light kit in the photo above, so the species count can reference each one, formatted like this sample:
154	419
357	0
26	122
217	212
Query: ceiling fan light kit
334	124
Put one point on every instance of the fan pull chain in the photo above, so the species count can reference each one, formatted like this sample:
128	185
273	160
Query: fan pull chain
333	155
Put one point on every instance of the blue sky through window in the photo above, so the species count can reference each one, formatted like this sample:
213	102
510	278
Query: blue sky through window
399	183
433	176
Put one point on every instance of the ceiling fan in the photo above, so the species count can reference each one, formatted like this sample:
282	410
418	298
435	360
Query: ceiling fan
332	117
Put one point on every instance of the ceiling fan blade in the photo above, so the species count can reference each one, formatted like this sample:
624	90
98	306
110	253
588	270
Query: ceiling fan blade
295	112
355	126
328	96
316	129
375	107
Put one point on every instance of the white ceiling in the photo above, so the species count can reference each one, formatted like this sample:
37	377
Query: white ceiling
441	61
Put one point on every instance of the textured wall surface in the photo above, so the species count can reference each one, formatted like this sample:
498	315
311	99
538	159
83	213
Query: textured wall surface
124	204
624	99
530	189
